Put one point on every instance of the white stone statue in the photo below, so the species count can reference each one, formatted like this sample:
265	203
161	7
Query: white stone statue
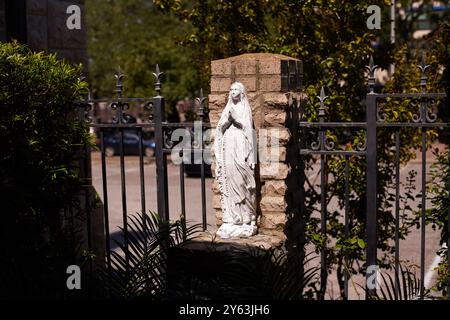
235	150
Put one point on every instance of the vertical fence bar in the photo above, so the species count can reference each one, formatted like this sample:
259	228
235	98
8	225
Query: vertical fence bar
371	194
105	199
423	207
201	114
141	172
423	118
323	226
161	160
124	195
397	212
202	171
120	119
448	222
346	226
87	199
182	189
323	199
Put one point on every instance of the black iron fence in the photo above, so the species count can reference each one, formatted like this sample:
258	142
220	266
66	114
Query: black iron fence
152	111
376	119
151	118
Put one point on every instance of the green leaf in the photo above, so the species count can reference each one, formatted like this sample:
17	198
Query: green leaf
361	243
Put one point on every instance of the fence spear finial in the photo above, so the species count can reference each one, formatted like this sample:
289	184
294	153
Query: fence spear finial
322	97
201	99
119	77
157	75
423	75
371	79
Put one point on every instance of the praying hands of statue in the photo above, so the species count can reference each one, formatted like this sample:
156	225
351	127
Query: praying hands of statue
232	116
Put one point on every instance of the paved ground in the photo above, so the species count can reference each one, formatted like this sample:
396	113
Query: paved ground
410	247
133	190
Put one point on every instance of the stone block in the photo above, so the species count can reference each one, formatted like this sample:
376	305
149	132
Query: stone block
273	136
273	221
221	67
270	83
219	216
269	66
217	100
215	186
216	202
273	204
268	154
249	82
255	100
275	100
246	67
274	118
277	171
220	84
275	233
274	188
284	135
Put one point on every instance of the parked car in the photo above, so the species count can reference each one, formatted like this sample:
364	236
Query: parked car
130	144
194	169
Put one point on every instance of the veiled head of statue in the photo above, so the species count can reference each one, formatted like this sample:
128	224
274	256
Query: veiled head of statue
237	91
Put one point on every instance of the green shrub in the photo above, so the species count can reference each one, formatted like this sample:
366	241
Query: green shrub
38	145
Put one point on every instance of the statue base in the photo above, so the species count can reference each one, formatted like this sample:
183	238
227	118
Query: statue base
229	230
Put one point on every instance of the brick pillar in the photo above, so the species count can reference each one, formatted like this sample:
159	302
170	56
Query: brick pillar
268	79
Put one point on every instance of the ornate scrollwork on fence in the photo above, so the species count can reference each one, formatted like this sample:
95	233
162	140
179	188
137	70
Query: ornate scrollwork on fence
167	138
426	113
149	107
315	145
121	116
361	145
381	116
329	143
84	110
430	115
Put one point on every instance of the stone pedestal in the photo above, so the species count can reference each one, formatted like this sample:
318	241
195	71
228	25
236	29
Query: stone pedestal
269	80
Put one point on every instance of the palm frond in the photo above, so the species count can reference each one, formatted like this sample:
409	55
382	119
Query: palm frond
139	269
406	286
157	264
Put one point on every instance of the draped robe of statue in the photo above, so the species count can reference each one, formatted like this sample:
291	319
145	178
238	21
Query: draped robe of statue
235	150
